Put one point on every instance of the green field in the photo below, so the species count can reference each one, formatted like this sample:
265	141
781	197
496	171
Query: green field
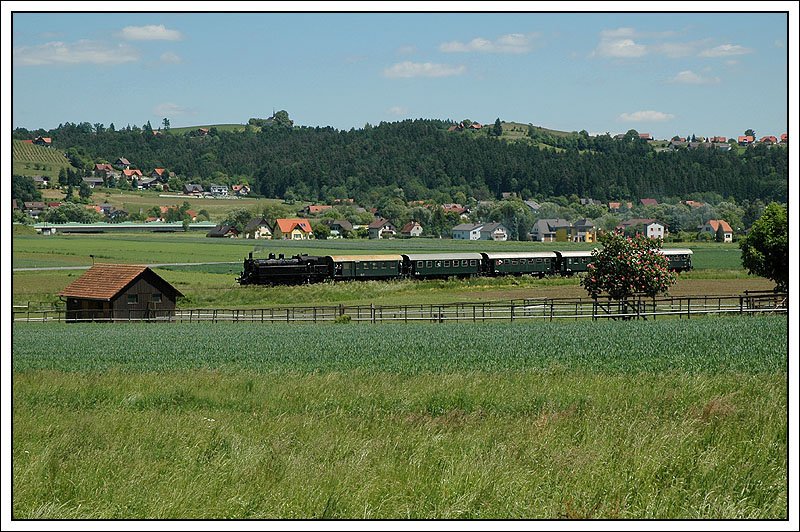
32	160
633	420
718	272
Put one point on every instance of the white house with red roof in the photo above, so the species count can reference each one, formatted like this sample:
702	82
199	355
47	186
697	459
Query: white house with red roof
720	229
292	229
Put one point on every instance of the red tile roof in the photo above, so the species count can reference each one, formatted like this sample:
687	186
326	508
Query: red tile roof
715	225
287	225
105	281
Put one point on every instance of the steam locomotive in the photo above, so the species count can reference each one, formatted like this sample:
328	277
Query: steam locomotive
302	268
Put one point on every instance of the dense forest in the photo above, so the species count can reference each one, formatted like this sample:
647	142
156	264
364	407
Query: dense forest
427	161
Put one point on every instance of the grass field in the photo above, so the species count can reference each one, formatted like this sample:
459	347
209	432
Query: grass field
133	201
718	270
32	160
645	420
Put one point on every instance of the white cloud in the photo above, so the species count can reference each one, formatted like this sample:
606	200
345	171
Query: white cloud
60	53
620	48
171	57
407	69
170	109
692	78
150	33
645	116
397	111
725	50
512	43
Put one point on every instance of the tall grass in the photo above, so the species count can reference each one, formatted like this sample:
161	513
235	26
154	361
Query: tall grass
666	420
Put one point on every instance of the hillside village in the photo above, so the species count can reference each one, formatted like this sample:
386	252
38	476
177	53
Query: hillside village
510	217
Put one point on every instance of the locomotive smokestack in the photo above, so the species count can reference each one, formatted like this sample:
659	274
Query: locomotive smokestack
251	255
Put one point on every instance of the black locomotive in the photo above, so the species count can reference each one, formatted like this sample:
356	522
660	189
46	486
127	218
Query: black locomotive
301	268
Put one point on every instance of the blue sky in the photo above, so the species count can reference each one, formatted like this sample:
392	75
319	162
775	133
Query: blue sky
663	73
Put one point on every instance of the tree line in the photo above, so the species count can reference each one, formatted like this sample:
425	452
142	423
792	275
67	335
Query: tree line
425	161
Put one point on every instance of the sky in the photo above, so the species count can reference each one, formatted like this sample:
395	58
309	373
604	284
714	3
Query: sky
665	73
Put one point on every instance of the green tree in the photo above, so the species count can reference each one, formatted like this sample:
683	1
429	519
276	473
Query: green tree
321	231
85	191
497	130
165	124
626	266
765	249
281	118
238	218
23	189
749	133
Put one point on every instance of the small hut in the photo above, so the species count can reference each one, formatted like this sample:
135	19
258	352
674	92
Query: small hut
108	292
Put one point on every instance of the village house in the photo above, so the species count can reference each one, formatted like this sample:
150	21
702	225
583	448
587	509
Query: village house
93	181
218	190
649	227
411	230
720	229
131	174
103	170
494	231
119	291
648	202
745	140
382	228
313	210
123	163
258	228
241	190
466	232
292	229
223	231
43	141
551	230
192	189
584	231
338	227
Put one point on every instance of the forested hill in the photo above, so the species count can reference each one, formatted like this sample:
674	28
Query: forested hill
427	161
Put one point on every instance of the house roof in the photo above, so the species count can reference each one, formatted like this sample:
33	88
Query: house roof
379	223
409	226
548	225
467	227
123	160
130	173
159	171
287	225
343	224
648	201
715	225
255	223
493	226
222	230
104	281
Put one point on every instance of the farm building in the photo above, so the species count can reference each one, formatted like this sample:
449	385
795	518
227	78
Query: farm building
119	292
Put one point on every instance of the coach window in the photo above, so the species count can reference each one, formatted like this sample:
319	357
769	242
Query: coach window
438	264
465	263
447	264
419	264
428	264
472	262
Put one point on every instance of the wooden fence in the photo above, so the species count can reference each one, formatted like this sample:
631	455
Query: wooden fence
548	309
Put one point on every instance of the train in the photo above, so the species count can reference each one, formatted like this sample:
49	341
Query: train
304	269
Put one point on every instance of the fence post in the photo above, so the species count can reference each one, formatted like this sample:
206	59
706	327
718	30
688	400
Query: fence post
688	308
512	311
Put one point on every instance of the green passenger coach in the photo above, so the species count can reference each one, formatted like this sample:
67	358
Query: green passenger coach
539	263
442	264
346	267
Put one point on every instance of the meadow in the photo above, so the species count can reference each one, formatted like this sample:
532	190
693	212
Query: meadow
718	270
620	420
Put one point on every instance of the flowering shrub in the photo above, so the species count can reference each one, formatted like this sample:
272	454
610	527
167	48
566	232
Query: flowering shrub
626	265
